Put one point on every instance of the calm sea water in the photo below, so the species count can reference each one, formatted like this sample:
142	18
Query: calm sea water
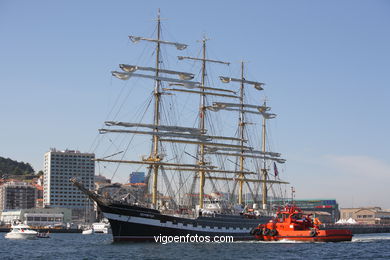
100	246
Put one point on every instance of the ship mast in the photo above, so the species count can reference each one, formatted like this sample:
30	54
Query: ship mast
202	125
243	153
202	115
157	94
241	125
155	158
264	169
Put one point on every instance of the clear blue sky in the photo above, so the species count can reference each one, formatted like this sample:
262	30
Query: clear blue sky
326	65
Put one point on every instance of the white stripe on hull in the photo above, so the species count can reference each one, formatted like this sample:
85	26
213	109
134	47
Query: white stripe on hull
169	224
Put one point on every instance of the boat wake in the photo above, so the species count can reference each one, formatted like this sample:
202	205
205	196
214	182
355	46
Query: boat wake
286	241
360	238
283	241
370	237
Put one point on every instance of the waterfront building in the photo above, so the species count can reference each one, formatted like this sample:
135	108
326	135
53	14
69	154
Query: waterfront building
366	215
17	195
8	216
38	217
58	191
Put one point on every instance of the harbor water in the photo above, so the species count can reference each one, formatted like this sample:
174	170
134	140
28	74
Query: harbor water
100	246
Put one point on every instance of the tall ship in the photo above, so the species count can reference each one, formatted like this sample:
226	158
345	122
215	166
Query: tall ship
209	169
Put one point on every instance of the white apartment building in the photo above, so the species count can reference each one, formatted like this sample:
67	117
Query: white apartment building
59	167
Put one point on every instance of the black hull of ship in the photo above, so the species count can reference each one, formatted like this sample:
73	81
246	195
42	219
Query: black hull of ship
134	223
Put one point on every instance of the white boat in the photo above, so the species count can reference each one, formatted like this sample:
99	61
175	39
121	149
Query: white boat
87	231
98	227
21	231
101	227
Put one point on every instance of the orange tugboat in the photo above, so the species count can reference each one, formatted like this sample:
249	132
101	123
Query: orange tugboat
291	224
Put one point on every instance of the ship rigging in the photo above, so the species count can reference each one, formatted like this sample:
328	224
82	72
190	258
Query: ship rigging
211	163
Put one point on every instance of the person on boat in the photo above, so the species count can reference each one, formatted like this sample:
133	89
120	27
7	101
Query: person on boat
308	222
316	223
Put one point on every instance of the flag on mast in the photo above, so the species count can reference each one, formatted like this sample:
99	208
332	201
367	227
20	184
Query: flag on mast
276	172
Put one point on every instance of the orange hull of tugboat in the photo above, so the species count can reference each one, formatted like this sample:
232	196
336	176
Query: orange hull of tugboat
291	224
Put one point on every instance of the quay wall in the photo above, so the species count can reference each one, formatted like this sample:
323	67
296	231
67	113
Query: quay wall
360	228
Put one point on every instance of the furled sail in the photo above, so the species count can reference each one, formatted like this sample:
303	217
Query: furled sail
246	180
157	127
214	149
216	109
200	59
279	160
224	105
200	92
127	75
257	85
238	107
166	134
203	87
179	46
205	143
132	68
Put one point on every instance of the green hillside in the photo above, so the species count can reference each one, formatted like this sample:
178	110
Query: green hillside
11	167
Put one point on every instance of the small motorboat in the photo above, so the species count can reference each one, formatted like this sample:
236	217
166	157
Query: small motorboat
43	234
21	231
291	224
